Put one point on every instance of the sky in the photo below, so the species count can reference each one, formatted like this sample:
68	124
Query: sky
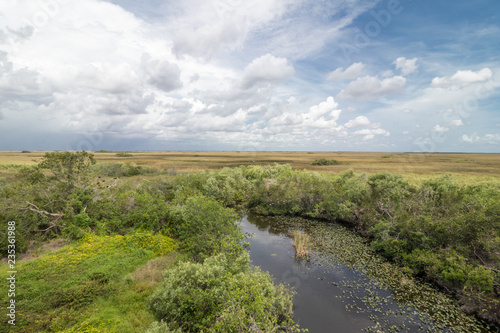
250	75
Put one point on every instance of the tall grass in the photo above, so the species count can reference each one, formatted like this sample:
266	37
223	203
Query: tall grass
302	244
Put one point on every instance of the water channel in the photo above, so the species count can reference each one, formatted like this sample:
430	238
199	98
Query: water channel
331	295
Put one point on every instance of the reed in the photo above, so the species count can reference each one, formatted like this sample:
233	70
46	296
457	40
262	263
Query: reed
302	244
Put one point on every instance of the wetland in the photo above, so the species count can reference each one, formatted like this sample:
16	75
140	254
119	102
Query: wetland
345	287
349	246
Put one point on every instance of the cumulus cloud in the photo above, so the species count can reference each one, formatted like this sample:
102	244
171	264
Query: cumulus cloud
204	41
22	83
313	123
322	109
175	73
406	66
462	78
161	74
369	133
440	129
370	87
487	138
357	122
266	69
111	78
352	72
204	28
457	122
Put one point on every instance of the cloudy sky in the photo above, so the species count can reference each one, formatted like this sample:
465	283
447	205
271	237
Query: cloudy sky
322	75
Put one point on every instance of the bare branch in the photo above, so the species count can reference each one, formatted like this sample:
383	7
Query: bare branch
481	259
57	216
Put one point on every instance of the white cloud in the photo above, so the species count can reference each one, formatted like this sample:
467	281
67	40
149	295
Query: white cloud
406	66
462	78
266	69
440	129
487	138
110	78
457	122
210	72
319	123
202	28
369	87
161	74
352	72
15	83
369	133
322	109
387	73
357	122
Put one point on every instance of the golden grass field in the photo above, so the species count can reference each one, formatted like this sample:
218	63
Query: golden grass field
482	165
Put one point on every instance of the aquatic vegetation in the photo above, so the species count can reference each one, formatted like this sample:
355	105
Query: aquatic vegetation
393	299
302	244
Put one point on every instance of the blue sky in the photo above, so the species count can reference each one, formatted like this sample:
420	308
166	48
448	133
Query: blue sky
313	75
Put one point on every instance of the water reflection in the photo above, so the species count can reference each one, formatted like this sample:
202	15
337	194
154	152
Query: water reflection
331	296
317	306
268	224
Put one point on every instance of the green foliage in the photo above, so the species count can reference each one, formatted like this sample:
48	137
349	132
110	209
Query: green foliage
161	327
123	154
105	169
228	186
69	167
222	295
323	161
205	228
480	279
441	229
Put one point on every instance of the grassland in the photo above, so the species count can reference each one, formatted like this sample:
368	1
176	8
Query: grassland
483	165
442	228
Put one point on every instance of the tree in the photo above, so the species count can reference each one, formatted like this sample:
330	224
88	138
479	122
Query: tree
56	190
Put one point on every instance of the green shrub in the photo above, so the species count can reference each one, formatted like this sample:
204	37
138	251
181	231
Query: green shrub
323	161
106	169
480	279
123	154
204	227
222	295
161	327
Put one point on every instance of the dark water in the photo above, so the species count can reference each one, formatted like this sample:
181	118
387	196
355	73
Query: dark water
317	306
322	301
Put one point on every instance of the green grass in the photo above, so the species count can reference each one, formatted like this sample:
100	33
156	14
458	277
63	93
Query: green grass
88	287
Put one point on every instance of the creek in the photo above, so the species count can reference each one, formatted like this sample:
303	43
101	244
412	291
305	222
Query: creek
343	286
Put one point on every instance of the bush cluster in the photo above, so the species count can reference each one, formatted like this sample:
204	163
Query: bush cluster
324	161
442	230
222	294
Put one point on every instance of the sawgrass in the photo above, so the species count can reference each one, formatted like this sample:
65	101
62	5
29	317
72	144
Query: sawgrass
302	244
480	166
